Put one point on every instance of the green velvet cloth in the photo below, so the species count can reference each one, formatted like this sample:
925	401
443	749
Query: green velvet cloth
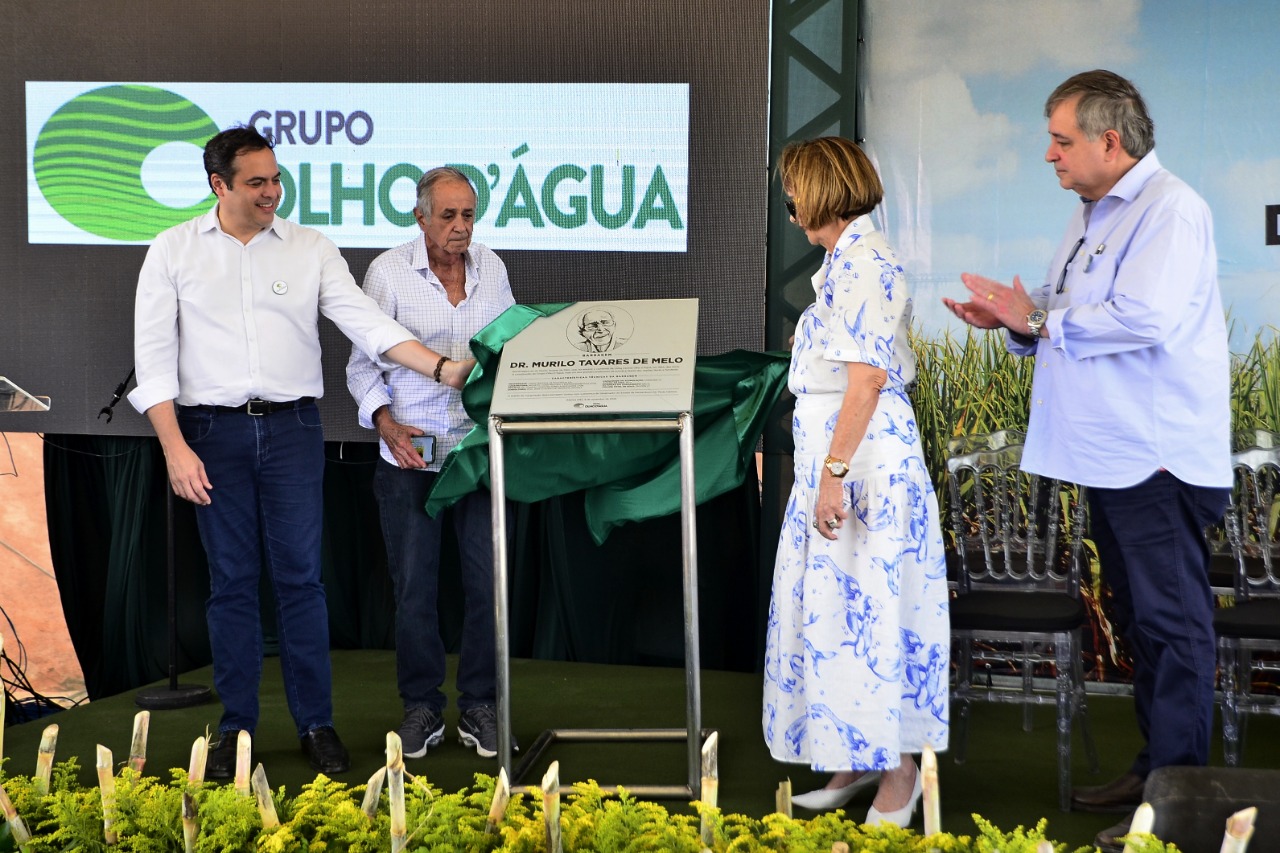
625	477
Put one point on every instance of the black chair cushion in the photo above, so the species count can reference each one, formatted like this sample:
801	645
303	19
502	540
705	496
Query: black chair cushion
1017	611
1222	571
1258	618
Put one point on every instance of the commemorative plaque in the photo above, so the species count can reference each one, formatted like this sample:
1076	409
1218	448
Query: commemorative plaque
621	356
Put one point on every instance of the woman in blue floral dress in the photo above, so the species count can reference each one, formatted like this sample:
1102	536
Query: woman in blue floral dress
858	649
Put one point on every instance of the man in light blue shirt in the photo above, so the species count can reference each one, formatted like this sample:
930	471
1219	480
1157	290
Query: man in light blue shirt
1130	397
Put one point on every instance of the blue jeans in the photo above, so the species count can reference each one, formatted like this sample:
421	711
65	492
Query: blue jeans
413	541
1155	560
267	510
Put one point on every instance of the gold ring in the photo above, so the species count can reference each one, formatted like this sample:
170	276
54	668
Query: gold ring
990	296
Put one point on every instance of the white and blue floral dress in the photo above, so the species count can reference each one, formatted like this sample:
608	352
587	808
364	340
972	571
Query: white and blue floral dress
858	646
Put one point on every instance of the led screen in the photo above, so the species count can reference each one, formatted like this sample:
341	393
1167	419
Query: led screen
619	150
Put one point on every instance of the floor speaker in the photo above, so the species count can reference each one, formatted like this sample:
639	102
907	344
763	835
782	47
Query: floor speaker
1192	805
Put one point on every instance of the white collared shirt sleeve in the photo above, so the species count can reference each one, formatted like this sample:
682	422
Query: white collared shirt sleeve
367	379
351	309
155	324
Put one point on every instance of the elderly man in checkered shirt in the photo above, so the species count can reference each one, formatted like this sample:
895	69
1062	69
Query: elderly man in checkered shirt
443	288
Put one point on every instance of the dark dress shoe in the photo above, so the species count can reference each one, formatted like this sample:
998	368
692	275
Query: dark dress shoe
1123	794
221	760
1108	840
325	752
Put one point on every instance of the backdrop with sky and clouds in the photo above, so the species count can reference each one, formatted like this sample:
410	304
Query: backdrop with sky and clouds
954	100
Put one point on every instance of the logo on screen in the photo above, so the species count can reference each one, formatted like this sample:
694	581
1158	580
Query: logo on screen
556	166
89	156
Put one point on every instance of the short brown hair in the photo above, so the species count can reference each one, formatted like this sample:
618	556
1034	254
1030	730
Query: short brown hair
829	178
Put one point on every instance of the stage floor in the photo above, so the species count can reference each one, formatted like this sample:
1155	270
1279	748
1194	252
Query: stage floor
1008	779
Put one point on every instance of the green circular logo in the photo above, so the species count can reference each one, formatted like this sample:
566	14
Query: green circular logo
88	159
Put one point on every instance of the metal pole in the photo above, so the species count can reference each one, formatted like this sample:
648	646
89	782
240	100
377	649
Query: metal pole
502	651
175	695
692	659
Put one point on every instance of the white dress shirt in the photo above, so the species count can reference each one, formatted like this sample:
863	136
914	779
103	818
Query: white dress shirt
400	280
219	322
1134	375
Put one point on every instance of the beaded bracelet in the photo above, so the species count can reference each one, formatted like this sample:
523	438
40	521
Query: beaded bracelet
439	367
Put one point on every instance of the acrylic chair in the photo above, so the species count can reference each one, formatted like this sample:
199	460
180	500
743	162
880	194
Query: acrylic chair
1223	562
963	445
1249	632
1019	545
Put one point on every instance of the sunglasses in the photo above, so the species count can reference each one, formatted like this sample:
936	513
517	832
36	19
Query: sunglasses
1062	279
791	211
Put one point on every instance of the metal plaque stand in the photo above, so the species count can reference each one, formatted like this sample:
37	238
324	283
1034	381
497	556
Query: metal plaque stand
693	733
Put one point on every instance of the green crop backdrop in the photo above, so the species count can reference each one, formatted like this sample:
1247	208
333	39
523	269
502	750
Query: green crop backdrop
1255	386
973	385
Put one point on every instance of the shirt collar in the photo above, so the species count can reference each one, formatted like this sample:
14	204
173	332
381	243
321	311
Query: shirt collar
858	228
419	260
209	222
1132	182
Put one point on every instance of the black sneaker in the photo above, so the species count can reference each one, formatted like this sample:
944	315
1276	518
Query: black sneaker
478	729
422	729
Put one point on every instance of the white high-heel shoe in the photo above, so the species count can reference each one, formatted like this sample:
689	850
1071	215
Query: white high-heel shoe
902	816
824	799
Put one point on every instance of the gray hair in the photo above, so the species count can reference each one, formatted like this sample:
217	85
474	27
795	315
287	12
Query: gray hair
430	178
1108	102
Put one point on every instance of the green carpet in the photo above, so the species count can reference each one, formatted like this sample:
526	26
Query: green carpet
1009	777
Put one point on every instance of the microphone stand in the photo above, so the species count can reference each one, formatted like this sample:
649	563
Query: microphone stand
174	695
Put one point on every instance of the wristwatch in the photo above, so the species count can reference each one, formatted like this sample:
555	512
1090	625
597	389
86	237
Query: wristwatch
1035	322
835	467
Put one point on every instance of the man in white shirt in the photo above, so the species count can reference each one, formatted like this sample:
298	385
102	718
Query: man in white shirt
227	353
444	289
1131	398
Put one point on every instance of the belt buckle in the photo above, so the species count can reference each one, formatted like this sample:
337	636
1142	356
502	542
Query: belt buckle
266	408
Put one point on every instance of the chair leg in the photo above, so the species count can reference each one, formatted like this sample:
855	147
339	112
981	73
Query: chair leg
1066	702
1244	699
1228	661
960	729
1081	711
1027	686
960	701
